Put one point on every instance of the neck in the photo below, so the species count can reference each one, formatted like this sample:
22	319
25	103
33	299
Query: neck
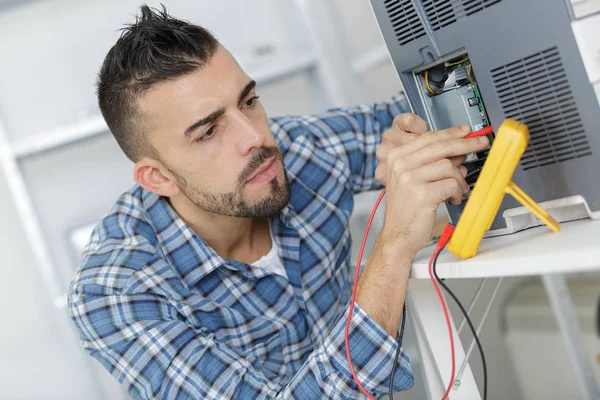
234	238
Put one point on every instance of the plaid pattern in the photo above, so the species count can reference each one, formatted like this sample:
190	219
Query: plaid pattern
171	319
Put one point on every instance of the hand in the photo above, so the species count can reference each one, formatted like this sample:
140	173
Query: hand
421	174
405	128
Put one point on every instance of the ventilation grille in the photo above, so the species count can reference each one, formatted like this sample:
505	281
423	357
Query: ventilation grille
535	91
441	13
405	20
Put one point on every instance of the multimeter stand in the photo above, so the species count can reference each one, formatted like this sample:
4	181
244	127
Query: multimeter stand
493	183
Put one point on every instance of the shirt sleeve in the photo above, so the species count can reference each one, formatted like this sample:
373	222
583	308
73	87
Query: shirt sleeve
146	344
353	135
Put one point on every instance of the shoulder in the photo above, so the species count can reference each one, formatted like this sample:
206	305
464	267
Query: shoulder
122	244
315	174
320	126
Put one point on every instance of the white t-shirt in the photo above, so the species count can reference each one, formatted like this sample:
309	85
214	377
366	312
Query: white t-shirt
271	262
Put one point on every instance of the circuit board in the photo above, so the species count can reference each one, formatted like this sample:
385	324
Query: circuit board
452	97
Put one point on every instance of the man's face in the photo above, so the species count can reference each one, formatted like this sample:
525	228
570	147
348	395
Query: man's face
212	134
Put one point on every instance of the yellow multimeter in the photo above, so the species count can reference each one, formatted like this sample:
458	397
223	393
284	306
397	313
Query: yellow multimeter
494	181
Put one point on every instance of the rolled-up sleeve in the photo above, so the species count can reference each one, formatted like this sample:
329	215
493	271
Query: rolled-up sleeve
372	350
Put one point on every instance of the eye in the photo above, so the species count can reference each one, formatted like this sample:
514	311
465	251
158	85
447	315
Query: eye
251	102
206	136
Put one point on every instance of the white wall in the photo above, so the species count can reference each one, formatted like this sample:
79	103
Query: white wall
50	53
52	50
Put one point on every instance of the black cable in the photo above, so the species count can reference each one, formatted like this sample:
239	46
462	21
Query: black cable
459	304
397	356
529	228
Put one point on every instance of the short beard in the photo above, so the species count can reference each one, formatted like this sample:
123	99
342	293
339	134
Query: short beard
232	204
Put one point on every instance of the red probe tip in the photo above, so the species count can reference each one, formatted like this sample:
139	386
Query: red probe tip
488	130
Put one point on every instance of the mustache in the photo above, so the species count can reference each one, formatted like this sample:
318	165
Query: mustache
259	157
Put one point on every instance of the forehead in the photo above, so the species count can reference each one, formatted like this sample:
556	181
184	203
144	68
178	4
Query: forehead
182	100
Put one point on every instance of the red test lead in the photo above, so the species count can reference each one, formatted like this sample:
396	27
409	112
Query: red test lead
488	130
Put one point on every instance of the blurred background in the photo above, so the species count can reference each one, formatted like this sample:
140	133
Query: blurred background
61	171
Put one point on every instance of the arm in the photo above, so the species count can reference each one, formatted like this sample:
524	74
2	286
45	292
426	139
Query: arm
147	345
420	173
353	135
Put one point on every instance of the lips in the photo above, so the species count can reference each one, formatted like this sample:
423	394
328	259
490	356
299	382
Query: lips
265	166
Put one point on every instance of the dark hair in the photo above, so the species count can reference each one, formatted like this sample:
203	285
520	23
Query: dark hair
155	48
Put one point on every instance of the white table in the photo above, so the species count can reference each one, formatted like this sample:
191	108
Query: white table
537	251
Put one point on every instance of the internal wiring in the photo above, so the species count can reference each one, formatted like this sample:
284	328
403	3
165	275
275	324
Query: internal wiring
458	62
468	70
427	83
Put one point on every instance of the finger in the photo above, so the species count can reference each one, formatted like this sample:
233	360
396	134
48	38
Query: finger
440	170
411	123
445	149
458	160
427	138
447	190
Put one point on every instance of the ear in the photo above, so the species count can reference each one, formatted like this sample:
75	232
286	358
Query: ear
154	177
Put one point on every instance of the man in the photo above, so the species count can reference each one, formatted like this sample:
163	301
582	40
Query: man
224	272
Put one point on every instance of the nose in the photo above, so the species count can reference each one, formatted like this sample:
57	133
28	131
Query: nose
248	135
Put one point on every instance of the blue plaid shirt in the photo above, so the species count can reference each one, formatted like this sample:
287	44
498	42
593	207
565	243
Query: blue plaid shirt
171	319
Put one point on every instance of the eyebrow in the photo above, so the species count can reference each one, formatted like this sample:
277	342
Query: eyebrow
217	113
205	121
249	87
